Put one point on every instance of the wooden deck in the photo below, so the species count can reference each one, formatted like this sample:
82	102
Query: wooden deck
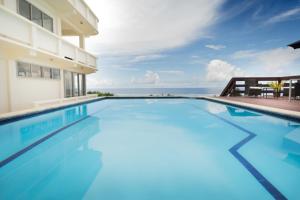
281	102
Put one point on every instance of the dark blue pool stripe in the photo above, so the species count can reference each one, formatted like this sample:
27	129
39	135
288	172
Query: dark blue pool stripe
24	150
258	176
43	139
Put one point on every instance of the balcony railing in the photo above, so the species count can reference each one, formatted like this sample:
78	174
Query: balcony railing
85	11
20	29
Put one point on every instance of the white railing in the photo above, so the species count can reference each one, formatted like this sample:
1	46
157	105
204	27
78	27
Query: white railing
85	11
20	29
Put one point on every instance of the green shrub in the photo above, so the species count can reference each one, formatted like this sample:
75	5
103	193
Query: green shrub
101	94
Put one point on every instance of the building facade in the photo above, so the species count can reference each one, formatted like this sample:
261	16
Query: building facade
36	62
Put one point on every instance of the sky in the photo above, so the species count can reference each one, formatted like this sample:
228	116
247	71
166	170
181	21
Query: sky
192	43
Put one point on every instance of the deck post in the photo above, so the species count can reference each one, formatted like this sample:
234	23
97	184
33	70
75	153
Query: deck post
290	89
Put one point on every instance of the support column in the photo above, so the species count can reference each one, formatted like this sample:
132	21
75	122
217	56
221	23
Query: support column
290	90
11	76
82	41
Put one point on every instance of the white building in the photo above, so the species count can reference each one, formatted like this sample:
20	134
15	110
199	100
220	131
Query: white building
36	63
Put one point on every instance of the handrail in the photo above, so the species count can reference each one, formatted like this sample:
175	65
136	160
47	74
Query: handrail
232	83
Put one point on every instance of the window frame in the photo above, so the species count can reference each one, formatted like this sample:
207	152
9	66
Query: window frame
19	10
30	15
41	15
52	23
41	73
26	75
52	74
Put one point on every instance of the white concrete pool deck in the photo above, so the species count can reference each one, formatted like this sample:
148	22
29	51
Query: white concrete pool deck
43	108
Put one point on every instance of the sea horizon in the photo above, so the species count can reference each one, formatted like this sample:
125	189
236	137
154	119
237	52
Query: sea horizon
161	91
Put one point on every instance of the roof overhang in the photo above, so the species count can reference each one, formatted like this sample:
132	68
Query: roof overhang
76	19
295	45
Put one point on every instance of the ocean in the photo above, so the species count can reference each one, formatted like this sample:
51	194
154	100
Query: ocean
160	91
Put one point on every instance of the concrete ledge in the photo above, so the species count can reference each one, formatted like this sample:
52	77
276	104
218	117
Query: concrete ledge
265	109
7	117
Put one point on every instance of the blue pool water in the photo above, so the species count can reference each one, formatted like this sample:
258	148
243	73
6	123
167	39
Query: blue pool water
150	149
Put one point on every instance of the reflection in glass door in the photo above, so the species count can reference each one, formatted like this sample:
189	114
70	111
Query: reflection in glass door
68	85
80	84
74	84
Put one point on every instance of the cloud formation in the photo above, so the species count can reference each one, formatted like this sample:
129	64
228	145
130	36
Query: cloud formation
219	70
215	47
149	78
141	27
147	57
284	16
273	60
93	82
171	72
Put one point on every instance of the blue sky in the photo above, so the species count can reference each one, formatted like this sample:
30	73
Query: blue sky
195	43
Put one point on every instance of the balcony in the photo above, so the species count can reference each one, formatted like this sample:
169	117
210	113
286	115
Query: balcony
77	17
21	36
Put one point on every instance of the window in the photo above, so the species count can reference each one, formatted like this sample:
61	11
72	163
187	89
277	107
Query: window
46	72
24	9
47	22
23	69
32	70
55	74
36	16
36	71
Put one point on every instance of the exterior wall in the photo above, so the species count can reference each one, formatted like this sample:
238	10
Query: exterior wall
10	4
26	90
4	99
17	93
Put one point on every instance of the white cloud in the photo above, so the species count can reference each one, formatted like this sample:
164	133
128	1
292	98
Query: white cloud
278	59
149	78
215	47
219	70
244	54
147	58
93	82
138	27
171	72
287	15
272	60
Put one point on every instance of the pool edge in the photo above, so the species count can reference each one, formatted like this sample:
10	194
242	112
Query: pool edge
277	112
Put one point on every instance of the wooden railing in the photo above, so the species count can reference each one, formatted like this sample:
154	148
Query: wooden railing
233	87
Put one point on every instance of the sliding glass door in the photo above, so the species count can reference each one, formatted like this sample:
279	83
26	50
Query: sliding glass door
74	84
68	84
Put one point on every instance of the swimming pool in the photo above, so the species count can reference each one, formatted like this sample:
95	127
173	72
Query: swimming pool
150	149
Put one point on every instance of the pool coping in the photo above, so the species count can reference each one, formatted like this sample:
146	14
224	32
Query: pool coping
13	116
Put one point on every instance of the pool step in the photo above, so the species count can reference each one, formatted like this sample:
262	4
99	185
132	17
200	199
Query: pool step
292	141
